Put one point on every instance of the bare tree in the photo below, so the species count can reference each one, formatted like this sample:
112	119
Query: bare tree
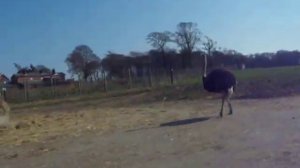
83	62
116	65
159	40
209	45
187	37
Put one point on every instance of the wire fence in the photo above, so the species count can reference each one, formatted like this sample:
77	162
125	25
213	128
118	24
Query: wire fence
29	92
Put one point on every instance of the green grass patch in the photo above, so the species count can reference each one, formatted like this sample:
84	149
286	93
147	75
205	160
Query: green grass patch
252	83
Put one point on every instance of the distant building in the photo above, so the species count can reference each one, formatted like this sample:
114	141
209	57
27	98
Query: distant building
3	79
37	79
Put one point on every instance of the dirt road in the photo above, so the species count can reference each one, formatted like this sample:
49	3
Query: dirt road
187	133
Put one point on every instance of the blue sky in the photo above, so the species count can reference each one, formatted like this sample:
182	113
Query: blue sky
46	31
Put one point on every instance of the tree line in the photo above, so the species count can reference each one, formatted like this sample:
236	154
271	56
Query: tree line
187	54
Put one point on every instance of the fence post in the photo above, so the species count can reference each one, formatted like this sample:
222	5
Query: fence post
52	86
130	78
26	89
150	77
172	76
104	81
79	86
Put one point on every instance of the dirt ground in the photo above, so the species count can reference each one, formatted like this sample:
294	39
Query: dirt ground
183	133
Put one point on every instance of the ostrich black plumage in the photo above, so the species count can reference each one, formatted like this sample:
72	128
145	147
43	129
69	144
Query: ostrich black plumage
220	81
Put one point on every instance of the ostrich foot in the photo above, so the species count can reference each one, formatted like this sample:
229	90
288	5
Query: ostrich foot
221	114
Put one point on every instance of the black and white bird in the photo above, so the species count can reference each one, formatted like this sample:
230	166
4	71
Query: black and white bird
219	81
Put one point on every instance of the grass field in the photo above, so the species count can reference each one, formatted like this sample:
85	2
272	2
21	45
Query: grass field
252	83
268	82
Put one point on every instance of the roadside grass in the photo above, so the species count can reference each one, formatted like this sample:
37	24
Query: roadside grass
252	83
85	98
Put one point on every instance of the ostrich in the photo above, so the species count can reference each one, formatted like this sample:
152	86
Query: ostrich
219	81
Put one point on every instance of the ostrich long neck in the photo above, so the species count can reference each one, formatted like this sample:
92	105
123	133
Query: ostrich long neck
205	66
204	80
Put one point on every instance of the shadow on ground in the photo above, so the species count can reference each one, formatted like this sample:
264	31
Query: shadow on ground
175	123
184	122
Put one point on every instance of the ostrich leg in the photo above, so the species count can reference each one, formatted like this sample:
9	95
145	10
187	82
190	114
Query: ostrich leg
228	96
230	107
223	99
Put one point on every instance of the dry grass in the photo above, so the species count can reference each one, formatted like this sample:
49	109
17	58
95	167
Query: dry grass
39	127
